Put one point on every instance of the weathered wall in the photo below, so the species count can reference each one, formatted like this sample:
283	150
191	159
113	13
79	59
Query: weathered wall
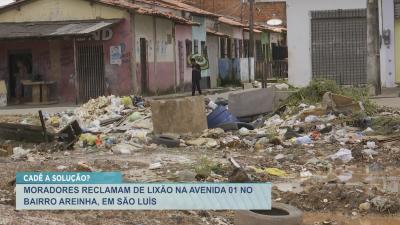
397	51
119	77
387	52
229	71
183	33
244	69
160	53
55	59
200	34
299	34
57	10
213	55
46	57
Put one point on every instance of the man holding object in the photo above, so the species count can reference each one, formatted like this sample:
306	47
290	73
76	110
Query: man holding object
196	77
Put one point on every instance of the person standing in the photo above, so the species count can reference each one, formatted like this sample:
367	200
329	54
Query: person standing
196	77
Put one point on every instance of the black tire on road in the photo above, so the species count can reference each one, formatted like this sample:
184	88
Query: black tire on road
166	140
281	214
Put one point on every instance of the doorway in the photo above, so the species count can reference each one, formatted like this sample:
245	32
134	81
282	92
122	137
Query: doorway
143	65
91	75
20	68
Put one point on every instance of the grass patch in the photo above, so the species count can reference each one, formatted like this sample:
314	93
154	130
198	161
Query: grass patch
313	94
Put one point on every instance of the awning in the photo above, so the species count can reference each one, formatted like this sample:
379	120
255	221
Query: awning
53	28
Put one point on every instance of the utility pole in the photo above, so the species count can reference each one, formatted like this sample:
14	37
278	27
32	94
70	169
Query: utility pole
251	35
241	11
373	63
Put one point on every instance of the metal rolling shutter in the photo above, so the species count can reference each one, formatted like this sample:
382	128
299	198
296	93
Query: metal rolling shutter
339	45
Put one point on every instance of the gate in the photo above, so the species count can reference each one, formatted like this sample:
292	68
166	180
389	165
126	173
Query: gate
90	68
339	46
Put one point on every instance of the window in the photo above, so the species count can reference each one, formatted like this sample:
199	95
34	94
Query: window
240	49
259	50
246	48
188	44
196	47
229	48
235	43
223	47
204	49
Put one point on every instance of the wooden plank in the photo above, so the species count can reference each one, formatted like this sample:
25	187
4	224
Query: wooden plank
45	93
23	132
36	93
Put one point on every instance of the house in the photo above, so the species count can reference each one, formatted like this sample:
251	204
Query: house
328	39
199	37
81	49
189	42
160	57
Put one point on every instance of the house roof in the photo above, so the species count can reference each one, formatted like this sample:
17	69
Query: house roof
255	30
271	28
53	28
188	8
177	19
216	33
117	3
120	4
231	22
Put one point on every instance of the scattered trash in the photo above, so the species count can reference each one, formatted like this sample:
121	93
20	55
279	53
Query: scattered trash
20	153
280	157
271	171
305	174
370	152
88	139
6	150
220	116
343	154
197	142
244	131
303	140
364	207
123	149
371	145
155	166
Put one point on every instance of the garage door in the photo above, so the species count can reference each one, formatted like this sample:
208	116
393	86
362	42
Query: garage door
339	45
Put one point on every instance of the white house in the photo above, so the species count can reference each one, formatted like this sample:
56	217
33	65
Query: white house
327	39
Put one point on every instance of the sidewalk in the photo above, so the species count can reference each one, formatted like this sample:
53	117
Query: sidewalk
390	98
28	109
206	92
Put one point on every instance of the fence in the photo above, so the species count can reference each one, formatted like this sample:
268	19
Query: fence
277	69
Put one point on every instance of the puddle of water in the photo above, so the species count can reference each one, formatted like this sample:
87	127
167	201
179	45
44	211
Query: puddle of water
386	179
311	218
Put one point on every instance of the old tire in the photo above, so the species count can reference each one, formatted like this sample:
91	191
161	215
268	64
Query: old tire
281	214
166	140
228	126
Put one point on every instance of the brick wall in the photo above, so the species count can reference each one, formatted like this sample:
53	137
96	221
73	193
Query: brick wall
263	11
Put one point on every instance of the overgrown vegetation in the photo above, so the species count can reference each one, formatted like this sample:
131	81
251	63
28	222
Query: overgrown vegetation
313	94
205	166
386	125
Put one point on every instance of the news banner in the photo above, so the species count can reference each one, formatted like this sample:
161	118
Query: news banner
107	191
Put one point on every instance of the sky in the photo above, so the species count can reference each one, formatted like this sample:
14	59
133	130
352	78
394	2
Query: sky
5	2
